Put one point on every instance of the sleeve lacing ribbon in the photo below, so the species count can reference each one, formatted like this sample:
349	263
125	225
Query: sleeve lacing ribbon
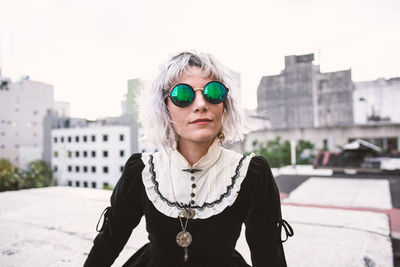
106	213
288	229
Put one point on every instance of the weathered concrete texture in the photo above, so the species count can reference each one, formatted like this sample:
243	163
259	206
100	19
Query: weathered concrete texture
343	193
301	96
56	226
329	237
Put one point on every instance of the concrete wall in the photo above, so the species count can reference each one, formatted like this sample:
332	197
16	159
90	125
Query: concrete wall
335	98
301	96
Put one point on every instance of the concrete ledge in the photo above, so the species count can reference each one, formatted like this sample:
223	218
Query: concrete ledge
59	222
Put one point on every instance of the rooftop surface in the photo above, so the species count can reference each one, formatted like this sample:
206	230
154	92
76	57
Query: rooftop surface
337	222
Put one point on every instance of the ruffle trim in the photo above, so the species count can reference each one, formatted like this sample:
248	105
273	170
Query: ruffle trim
204	210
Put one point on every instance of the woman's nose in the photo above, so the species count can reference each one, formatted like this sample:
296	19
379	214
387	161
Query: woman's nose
199	102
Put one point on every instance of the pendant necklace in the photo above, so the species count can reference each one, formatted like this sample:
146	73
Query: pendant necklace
184	238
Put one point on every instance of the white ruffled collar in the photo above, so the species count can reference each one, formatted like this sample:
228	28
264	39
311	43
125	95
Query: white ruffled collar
169	187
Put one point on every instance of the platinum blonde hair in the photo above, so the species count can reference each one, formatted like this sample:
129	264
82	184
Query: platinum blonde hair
153	112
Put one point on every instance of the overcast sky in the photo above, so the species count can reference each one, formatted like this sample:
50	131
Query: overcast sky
89	49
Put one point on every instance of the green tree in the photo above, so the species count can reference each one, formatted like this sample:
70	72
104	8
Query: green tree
277	152
304	152
39	174
10	176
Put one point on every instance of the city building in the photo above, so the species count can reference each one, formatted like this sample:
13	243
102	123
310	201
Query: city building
377	100
301	96
91	153
382	134
23	105
129	103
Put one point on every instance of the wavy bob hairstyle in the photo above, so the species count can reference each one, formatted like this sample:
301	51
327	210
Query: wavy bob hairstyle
153	113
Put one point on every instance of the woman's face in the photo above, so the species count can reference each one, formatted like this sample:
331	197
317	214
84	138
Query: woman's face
201	121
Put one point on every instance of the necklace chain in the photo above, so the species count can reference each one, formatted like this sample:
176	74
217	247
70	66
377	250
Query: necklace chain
184	238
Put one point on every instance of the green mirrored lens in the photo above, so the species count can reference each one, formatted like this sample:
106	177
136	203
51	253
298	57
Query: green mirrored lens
215	92
182	95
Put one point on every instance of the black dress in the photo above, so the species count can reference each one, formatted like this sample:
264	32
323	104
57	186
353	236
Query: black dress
214	239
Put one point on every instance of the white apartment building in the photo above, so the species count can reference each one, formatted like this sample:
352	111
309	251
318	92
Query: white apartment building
92	156
377	100
22	107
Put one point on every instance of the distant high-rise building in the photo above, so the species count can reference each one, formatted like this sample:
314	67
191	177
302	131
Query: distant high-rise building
129	104
377	100
301	96
23	106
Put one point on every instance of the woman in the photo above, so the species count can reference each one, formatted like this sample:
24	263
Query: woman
194	193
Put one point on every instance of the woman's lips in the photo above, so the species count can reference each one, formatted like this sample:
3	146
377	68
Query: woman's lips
200	121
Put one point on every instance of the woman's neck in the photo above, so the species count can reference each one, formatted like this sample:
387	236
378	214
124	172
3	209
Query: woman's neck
193	151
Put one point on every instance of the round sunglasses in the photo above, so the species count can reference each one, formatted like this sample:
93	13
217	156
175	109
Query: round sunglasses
183	95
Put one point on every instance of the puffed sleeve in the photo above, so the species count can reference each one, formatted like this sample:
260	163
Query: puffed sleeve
264	216
122	217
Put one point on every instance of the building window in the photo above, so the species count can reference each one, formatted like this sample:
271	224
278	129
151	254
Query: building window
62	139
93	138
69	168
105	185
121	137
55	154
105	169
69	154
85	138
122	153
121	168
105	137
77	154
323	84
77	183
93	154
84	168
77	168
69	183
84	154
69	139
55	139
55	169
85	184
93	184
105	153
77	139
93	169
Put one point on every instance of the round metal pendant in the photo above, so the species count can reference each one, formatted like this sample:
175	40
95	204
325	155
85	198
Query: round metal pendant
184	239
188	213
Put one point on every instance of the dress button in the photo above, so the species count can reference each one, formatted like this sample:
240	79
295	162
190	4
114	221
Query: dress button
193	185
192	178
192	194
192	202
